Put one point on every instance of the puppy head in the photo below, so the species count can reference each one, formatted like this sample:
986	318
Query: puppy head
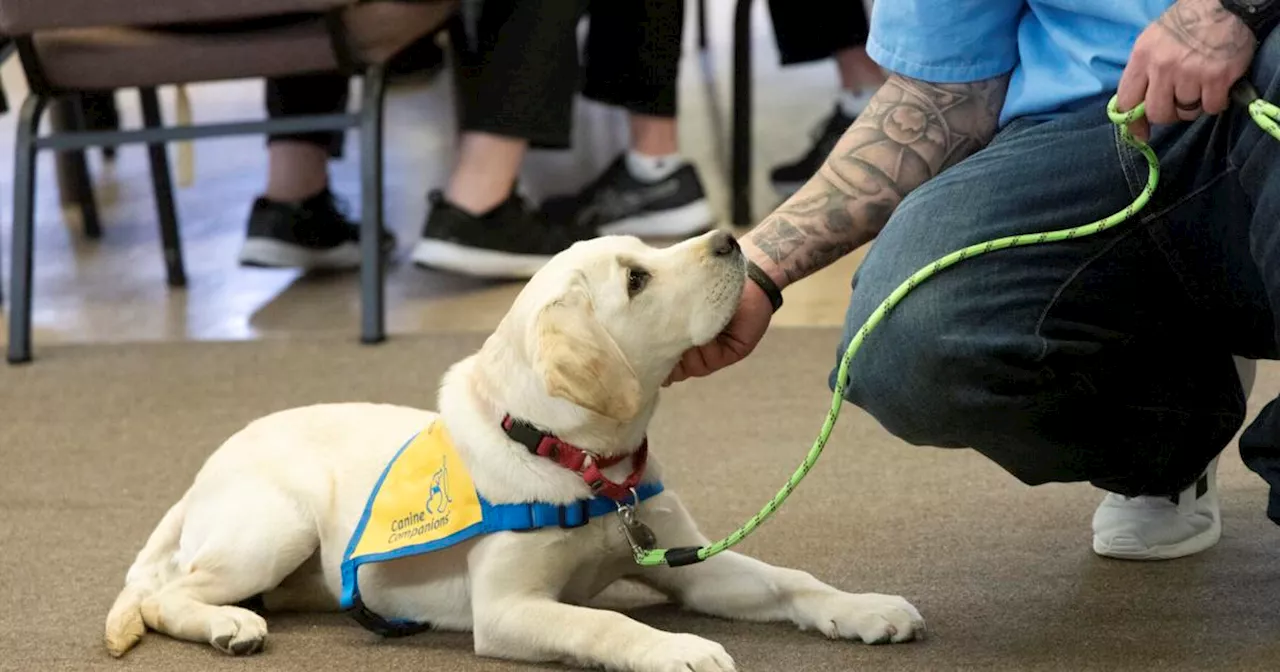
605	321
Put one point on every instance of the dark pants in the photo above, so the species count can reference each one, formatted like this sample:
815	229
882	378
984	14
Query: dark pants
814	30
1106	359
521	77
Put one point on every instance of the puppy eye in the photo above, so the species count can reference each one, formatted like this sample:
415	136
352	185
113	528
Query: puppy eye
637	279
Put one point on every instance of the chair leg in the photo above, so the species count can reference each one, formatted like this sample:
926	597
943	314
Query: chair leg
740	177
702	25
372	262
78	172
24	203
162	185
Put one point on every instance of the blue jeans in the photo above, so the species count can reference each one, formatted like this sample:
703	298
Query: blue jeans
1106	359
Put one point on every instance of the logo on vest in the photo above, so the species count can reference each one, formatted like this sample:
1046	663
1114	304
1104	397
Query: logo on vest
435	513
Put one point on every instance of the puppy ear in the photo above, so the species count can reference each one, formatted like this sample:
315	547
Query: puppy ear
579	361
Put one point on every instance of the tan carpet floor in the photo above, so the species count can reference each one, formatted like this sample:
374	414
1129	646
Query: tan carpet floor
97	441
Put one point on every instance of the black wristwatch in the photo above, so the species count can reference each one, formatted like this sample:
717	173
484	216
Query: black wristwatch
1258	15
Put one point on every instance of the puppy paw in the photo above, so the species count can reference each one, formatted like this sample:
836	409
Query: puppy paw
686	653
869	617
237	632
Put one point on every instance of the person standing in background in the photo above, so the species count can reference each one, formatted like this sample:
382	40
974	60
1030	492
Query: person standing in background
841	35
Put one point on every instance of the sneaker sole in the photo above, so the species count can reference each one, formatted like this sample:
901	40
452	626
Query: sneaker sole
477	262
686	220
1199	543
268	253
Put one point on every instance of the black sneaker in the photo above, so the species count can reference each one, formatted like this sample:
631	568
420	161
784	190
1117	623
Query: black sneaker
313	235
618	203
788	178
511	241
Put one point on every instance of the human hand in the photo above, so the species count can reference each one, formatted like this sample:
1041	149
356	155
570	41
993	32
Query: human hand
1184	64
733	344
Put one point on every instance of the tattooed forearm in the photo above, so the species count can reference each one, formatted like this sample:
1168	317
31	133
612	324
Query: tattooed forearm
910	132
1203	25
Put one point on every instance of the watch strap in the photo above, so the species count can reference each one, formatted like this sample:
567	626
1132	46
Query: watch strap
1259	15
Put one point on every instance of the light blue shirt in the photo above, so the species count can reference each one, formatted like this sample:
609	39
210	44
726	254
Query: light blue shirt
1062	53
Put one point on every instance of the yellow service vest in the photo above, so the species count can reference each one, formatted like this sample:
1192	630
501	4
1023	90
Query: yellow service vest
426	500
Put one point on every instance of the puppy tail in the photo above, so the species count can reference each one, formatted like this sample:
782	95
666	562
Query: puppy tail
124	622
125	625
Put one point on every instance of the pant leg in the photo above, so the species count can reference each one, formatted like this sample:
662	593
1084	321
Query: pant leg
1256	157
633	55
1087	360
814	30
520	77
321	93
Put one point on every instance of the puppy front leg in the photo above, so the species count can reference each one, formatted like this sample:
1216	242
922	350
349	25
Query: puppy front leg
517	617
539	629
731	585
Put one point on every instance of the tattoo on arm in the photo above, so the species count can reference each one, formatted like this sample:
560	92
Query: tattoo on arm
909	132
1207	28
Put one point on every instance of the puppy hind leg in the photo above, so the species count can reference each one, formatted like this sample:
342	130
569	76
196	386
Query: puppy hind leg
193	608
236	544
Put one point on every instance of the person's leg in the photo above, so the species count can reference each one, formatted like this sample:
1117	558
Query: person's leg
1257	158
298	163
858	73
633	61
1105	359
517	84
297	222
839	35
860	78
422	60
486	171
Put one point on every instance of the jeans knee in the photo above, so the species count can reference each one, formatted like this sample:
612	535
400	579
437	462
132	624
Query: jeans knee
939	369
929	384
909	370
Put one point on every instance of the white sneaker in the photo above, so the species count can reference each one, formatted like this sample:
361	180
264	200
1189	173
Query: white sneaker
1163	528
1160	528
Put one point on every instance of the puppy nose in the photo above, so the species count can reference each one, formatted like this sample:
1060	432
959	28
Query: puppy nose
723	244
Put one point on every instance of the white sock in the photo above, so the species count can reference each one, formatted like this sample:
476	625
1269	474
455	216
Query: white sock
652	168
852	103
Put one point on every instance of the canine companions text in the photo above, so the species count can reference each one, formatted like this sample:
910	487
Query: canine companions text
549	415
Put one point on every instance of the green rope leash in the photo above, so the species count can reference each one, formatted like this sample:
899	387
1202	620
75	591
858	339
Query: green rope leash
1263	113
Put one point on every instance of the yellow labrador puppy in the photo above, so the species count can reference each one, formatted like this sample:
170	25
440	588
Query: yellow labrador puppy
543	432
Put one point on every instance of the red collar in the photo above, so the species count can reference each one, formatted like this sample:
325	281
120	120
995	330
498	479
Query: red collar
578	460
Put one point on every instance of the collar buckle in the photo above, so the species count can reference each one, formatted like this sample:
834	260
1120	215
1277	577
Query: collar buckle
588	466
